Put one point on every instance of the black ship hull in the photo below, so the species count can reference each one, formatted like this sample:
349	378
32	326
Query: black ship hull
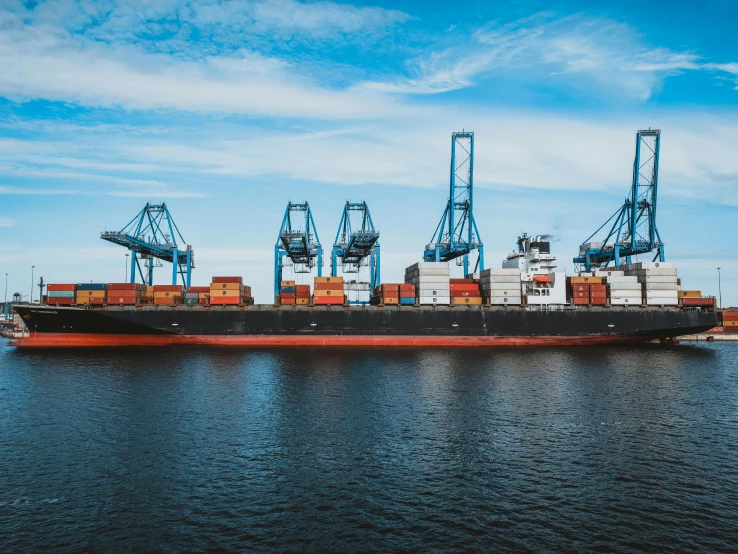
264	325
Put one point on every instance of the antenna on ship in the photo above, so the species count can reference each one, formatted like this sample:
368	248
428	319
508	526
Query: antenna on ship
633	229
298	242
457	234
357	246
153	235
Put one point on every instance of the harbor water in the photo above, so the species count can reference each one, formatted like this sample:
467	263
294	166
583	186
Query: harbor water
609	449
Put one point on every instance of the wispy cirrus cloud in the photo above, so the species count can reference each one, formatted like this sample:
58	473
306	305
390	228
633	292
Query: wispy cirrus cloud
576	51
6	222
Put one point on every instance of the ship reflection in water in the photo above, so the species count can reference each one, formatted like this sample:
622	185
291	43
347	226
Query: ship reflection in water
603	448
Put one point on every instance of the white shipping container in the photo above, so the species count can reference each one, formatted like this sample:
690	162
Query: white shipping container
427	272
501	293
506	271
660	286
661	293
626	294
654	272
658	279
428	279
623	279
608	273
442	300
626	286
510	301
636	301
652	265
500	286
501	279
662	301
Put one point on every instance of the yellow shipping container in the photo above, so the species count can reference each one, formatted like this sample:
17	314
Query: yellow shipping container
585	280
468	300
730	323
391	300
286	283
150	290
167	294
227	292
91	294
302	301
690	294
321	292
225	286
205	295
329	279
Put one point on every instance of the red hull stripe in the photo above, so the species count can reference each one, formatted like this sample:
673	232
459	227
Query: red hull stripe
74	340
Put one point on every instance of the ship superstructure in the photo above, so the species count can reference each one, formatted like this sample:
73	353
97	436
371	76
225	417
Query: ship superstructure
542	284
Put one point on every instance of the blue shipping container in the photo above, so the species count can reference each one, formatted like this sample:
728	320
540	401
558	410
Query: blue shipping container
92	286
287	289
61	294
407	301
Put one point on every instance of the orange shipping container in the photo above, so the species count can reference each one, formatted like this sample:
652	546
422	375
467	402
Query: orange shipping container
302	301
217	293
391	300
464	287
329	286
323	293
225	300
462	301
329	279
583	280
327	300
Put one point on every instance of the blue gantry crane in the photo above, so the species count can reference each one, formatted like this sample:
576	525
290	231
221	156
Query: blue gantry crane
357	246
298	242
153	235
457	233
633	230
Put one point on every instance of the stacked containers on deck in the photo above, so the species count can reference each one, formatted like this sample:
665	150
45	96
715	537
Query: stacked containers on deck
407	294
586	290
730	321
694	298
389	293
125	294
229	291
659	282
465	291
167	295
501	286
287	293
60	294
328	291
201	294
623	290
432	282
302	295
92	294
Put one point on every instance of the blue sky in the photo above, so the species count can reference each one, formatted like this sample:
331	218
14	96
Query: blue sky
228	109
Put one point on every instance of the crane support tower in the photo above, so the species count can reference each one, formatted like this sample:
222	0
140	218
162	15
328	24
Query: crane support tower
298	243
357	246
153	235
633	230
457	233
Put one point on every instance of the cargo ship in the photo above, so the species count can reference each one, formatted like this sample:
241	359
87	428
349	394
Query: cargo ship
525	303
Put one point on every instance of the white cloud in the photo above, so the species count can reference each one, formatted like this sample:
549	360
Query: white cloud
6	222
575	52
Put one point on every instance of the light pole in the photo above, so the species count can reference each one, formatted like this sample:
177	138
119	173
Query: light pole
720	292
6	288
32	268
125	274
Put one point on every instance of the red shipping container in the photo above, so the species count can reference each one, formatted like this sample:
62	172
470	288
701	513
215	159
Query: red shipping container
167	288
55	301
61	287
598	288
464	286
328	286
730	316
581	301
290	295
406	294
199	289
578	294
465	293
598	295
203	300
305	294
697	302
407	288
225	300
168	301
324	300
580	288
302	288
286	301
599	301
96	301
123	286
227	280
467	281
390	290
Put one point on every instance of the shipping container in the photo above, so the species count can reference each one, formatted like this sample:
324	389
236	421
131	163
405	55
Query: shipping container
506	301
407	301
217	293
302	301
465	287
199	289
329	286
691	301
91	286
61	294
328	300
286	283
124	286
391	300
690	294
286	301
227	280
430	299
328	292
168	288
475	300
329	280
225	300
61	287
585	280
